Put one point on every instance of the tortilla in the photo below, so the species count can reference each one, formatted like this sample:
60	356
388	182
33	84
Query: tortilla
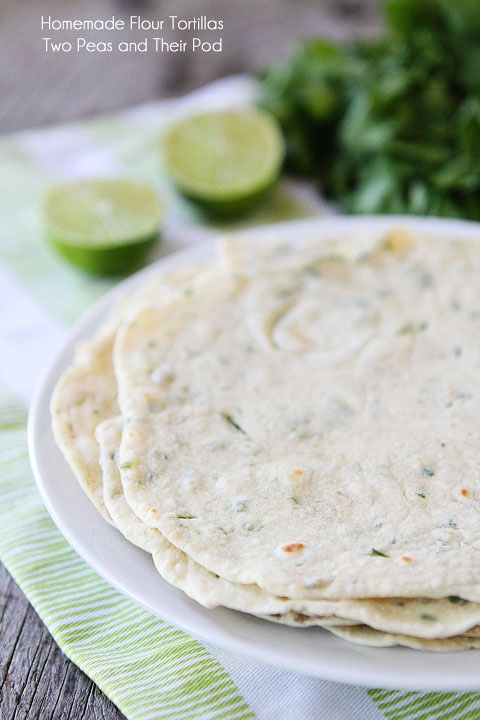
86	393
312	432
422	617
367	636
83	397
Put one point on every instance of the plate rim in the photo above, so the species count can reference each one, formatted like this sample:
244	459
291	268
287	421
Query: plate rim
446	680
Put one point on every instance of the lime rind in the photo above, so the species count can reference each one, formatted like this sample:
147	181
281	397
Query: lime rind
112	260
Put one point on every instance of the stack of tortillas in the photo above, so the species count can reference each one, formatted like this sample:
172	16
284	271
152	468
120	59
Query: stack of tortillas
292	431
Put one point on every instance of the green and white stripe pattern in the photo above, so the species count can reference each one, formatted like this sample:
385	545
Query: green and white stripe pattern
150	669
147	667
427	706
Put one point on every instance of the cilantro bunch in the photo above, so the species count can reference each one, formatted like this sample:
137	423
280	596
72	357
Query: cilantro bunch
390	125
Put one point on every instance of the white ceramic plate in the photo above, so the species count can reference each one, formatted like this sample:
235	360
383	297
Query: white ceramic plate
309	651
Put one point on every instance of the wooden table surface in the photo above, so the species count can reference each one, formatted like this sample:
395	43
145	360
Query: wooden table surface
36	88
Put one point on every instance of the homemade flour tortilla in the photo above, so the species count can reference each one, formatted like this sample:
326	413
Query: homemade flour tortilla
367	636
176	567
423	618
86	393
84	396
108	434
274	453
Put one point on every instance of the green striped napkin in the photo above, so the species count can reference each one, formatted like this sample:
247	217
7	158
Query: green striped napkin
149	669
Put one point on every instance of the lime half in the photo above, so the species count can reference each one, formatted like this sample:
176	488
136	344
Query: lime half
104	226
225	160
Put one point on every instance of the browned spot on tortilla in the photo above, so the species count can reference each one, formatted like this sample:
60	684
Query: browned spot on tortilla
399	240
406	559
293	547
466	493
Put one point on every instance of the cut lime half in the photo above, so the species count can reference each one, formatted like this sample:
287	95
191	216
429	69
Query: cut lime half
225	160
104	226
